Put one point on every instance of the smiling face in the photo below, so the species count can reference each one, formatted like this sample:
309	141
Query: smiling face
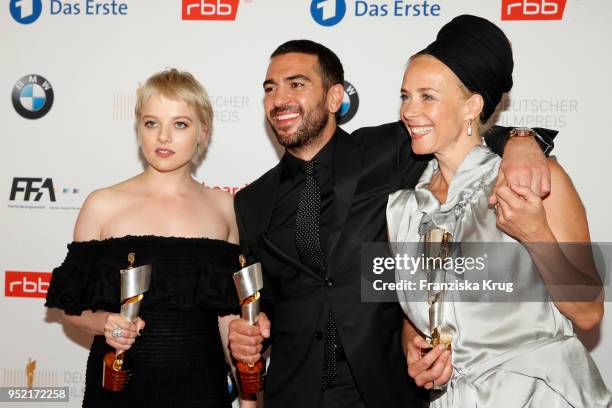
298	107
435	107
169	132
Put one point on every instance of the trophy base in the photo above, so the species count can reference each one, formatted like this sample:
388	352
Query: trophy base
251	376
114	379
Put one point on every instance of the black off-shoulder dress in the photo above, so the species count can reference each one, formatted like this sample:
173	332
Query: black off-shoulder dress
178	360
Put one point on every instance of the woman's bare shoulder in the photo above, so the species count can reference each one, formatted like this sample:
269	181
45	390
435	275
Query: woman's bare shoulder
223	203
219	197
107	198
99	206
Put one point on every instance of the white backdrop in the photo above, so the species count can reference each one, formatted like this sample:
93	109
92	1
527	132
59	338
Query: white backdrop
94	64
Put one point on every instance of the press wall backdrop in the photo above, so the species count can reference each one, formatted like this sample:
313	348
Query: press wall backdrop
70	69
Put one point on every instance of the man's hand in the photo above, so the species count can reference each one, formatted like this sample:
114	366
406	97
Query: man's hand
523	164
245	340
431	369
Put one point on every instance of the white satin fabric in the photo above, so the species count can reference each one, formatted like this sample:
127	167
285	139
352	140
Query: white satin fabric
505	354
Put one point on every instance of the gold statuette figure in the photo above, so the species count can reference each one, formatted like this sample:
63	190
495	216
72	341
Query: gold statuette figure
30	368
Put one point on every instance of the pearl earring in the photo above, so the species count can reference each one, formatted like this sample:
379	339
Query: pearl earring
469	129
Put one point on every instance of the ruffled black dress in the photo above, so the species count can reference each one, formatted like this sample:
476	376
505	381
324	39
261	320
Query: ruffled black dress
178	360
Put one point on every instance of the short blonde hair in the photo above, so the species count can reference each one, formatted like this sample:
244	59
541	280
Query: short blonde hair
181	86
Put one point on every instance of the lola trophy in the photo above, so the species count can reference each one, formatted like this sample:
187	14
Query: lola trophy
134	282
249	281
437	250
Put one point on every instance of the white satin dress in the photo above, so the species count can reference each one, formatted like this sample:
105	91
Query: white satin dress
505	354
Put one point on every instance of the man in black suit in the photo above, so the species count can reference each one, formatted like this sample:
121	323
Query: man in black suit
305	221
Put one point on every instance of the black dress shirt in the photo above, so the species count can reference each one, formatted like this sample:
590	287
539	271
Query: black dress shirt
292	178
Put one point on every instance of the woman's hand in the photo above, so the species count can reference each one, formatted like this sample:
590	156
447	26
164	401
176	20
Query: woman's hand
521	214
431	369
121	334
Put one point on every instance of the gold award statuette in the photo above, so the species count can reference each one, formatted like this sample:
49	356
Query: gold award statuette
249	282
30	368
134	282
437	243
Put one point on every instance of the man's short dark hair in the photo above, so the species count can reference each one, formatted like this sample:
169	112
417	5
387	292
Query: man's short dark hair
330	66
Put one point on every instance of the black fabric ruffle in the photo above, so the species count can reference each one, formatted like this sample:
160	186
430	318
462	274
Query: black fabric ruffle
187	274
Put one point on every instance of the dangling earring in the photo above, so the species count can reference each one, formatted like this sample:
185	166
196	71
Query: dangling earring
469	129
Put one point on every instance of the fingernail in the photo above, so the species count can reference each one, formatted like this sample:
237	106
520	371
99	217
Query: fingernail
441	347
140	332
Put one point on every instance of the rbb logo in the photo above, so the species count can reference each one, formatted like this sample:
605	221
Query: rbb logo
533	9
32	187
210	9
26	284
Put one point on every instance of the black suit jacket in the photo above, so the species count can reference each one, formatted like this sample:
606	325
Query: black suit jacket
368	166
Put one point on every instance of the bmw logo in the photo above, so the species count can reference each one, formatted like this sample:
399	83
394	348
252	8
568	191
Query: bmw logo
32	96
328	12
350	103
25	11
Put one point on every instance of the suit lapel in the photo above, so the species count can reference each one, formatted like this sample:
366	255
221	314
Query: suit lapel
347	165
263	205
264	202
288	258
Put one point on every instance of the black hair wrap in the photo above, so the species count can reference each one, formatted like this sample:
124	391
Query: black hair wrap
479	53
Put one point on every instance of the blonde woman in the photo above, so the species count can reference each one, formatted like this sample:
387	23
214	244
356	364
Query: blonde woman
186	231
503	354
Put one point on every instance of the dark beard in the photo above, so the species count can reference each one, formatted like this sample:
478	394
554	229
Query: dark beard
310	129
